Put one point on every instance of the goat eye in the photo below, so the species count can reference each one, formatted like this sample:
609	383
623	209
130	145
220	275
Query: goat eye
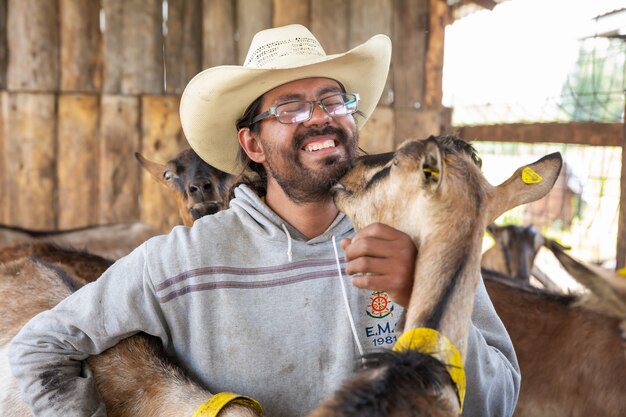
395	162
168	175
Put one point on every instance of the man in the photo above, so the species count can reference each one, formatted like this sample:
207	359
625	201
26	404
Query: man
250	300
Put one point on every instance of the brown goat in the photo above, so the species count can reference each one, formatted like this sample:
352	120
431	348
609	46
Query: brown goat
571	357
109	241
514	253
134	377
550	329
434	191
199	188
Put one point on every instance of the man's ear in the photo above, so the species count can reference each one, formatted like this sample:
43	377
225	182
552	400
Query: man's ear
251	146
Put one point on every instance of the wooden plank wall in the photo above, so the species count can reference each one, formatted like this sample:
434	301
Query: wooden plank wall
86	83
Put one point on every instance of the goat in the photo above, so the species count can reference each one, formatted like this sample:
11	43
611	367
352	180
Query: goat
36	277
571	356
199	188
550	329
109	241
514	253
432	190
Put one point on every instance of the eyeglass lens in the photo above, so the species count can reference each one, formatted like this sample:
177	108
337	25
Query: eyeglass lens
299	111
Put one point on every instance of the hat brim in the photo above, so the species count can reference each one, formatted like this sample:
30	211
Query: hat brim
215	98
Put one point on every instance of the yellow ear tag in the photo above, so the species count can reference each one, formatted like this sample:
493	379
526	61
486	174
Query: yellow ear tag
530	177
431	171
621	272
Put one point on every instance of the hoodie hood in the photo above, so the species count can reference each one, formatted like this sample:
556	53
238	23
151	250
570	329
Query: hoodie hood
255	214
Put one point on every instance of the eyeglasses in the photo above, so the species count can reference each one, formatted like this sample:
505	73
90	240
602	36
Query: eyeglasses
298	111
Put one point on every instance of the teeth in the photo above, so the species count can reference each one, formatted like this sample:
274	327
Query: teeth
320	145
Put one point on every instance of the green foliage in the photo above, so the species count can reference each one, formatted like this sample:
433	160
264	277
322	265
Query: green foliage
594	91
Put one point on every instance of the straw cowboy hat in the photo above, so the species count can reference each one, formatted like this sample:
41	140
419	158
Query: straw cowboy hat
216	97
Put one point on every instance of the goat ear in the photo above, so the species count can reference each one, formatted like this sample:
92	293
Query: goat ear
432	166
154	168
607	285
528	183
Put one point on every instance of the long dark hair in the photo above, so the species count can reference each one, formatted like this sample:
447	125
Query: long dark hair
252	173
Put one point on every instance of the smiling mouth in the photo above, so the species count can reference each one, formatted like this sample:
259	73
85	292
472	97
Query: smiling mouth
316	146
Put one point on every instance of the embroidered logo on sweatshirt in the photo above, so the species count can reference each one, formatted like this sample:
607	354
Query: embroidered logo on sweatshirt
380	305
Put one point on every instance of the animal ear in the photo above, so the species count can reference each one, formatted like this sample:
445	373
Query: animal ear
432	167
608	286
528	183
154	168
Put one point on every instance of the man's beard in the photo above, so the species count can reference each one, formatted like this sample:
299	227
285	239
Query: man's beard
305	185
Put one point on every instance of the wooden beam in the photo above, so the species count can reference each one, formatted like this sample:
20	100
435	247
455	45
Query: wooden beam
31	180
219	46
328	24
119	173
579	133
33	45
77	160
439	16
620	253
183	44
410	36
80	45
287	12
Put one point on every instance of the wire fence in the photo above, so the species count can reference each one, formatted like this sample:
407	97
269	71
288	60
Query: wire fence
582	209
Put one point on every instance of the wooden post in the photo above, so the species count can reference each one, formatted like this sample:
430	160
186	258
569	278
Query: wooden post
30	161
119	170
3	44
416	124
377	136
133	47
4	196
252	16
410	35
366	19
620	261
162	140
81	42
33	44
328	24
287	12
77	160
439	18
218	33
183	43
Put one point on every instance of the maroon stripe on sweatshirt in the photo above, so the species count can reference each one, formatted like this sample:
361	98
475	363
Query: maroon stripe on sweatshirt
229	270
217	285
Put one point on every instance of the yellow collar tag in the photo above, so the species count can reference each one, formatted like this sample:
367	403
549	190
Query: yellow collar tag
530	177
218	401
433	343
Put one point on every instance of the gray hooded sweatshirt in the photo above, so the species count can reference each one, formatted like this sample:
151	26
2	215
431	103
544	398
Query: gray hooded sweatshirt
245	303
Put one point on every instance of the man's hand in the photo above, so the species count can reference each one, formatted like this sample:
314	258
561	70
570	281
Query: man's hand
383	259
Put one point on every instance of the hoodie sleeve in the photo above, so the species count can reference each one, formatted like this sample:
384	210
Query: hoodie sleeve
48	355
492	371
